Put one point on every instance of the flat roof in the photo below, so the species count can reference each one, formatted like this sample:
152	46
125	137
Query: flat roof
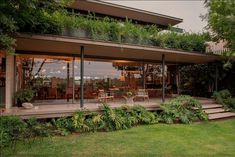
120	11
59	45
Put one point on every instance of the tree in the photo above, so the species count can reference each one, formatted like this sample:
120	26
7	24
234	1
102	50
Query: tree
221	20
36	16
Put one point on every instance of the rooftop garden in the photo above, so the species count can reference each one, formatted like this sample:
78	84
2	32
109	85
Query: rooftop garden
108	29
43	17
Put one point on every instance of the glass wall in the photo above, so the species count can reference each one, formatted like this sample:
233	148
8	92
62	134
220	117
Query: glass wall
2	79
49	76
56	79
110	78
153	79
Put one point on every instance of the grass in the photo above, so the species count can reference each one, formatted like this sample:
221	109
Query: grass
200	139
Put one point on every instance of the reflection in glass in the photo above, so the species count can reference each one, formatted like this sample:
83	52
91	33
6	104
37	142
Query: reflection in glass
50	77
110	79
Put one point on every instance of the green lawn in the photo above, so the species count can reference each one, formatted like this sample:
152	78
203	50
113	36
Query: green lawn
201	139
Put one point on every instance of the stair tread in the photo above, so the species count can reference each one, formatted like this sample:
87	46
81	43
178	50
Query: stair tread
214	110
206	106
221	115
207	101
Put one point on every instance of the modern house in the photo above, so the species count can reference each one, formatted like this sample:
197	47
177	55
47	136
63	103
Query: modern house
75	69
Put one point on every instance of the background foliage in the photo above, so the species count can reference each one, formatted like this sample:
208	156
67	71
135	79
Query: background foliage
36	16
221	20
199	80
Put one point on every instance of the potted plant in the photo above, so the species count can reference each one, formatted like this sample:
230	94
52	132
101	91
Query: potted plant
24	96
129	97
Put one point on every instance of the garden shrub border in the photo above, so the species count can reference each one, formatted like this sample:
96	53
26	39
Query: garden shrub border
182	109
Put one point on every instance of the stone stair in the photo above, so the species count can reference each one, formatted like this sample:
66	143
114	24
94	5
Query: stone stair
215	111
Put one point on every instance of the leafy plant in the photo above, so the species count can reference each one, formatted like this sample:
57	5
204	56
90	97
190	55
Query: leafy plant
143	116
24	95
224	98
129	94
64	125
95	121
38	16
12	129
112	120
182	108
79	122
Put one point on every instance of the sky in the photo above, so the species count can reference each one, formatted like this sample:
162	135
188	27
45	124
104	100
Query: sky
189	11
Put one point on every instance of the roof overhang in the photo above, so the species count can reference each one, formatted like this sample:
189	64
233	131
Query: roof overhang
58	45
120	11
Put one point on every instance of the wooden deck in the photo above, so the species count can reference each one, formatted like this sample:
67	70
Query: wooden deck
60	110
214	111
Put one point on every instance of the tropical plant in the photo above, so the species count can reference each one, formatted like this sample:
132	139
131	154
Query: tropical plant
143	116
79	122
112	120
95	121
63	125
182	108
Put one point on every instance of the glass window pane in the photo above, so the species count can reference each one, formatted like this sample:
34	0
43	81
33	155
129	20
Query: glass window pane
110	80
49	76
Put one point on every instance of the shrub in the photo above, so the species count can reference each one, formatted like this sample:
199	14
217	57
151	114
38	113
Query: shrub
113	120
94	121
224	98
12	128
79	122
63	125
36	129
182	108
143	116
231	103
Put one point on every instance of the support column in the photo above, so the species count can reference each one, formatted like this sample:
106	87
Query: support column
81	80
73	84
216	77
143	76
68	80
178	79
163	77
10	71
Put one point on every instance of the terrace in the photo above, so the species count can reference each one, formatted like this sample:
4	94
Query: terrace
88	55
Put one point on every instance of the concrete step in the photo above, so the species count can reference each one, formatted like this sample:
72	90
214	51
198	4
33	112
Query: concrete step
214	110
209	101
208	106
221	115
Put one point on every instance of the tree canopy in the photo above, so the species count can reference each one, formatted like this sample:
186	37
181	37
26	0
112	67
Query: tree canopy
37	16
221	20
